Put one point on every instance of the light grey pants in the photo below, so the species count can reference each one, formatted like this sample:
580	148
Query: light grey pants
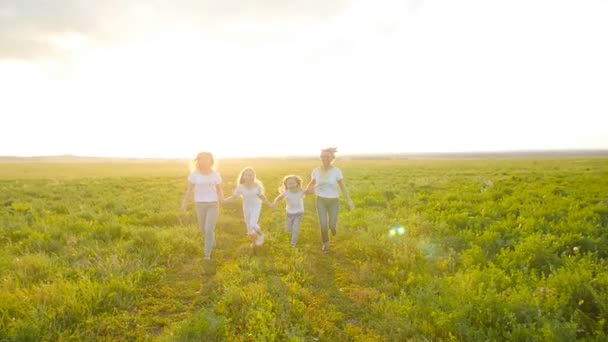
293	226
327	208
207	213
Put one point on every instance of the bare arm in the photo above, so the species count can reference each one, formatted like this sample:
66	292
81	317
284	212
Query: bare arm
263	198
310	188
277	199
346	194
231	198
187	196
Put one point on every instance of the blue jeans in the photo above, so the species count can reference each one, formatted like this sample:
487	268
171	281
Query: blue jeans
293	226
327	208
207	213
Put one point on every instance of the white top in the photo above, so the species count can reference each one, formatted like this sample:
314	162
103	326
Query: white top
251	196
205	186
327	182
294	201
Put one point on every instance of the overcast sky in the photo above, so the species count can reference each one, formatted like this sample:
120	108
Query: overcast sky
285	77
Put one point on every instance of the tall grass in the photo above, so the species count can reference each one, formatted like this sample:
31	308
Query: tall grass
435	250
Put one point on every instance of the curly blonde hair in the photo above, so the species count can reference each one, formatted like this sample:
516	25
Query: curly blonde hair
288	177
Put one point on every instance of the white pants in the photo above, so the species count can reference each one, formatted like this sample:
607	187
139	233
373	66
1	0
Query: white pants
252	216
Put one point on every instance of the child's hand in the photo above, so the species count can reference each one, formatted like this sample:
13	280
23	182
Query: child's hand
227	200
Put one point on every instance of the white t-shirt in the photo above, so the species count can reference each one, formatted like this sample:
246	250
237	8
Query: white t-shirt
327	182
250	195
205	186
294	201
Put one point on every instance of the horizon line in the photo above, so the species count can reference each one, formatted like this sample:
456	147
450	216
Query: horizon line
601	151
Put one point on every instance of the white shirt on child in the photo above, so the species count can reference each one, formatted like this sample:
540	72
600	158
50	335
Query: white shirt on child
327	182
294	201
205	186
250	195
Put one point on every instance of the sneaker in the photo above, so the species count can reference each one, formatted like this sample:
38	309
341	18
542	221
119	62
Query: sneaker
260	240
333	231
207	258
326	247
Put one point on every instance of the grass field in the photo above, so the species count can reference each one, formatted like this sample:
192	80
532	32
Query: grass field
487	250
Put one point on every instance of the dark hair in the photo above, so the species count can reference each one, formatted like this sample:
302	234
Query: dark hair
331	150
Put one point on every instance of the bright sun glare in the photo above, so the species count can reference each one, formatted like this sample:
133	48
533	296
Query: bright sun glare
366	78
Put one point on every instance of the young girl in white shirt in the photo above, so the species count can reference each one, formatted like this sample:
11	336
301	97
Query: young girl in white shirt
293	194
326	180
205	183
252	192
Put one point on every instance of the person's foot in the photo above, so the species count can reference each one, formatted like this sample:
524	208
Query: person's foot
326	247
333	231
207	258
260	240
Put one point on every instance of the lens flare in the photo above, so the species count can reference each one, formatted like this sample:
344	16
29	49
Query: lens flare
396	231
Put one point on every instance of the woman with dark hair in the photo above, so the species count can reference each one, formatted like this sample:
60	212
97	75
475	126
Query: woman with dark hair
327	182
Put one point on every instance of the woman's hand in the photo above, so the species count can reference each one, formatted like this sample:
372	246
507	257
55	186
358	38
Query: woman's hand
351	204
228	199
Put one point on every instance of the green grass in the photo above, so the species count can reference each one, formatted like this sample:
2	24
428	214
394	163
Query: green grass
491	250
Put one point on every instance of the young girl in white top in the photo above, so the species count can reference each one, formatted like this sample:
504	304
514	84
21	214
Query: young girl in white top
252	192
293	194
326	180
205	182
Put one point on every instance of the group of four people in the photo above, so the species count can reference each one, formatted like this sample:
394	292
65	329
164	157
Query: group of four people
326	183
